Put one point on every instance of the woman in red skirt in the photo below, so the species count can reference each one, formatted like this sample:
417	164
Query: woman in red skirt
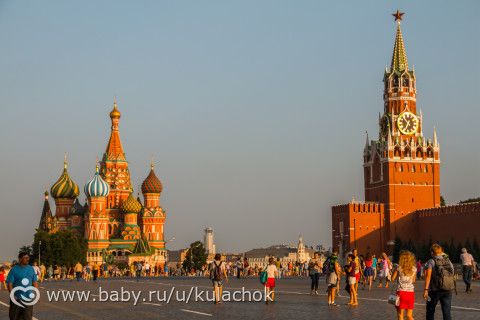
406	275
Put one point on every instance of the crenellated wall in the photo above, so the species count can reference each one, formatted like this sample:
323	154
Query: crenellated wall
460	221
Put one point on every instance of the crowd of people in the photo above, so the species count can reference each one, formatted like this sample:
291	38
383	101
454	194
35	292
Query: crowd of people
357	271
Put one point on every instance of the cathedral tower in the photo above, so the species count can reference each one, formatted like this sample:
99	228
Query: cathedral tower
153	217
114	166
97	218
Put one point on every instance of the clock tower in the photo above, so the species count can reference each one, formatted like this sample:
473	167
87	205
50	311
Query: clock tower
402	167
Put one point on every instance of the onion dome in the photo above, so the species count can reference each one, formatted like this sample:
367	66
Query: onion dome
131	205
97	187
64	188
115	114
152	184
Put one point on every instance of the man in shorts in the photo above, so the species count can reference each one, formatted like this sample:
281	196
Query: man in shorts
218	273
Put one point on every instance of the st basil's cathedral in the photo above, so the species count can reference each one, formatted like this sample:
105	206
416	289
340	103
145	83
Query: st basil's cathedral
112	221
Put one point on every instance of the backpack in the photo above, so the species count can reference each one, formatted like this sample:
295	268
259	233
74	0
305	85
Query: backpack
443	275
326	266
216	273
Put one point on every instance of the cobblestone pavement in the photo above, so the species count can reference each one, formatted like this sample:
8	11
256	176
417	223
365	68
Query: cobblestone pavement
293	301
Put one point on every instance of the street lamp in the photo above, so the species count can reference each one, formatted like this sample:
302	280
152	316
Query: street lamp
39	249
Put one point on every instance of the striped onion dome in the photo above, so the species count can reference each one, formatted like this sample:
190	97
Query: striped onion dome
131	205
152	184
64	188
97	187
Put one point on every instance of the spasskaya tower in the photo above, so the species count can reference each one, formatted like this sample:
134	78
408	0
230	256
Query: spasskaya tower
401	167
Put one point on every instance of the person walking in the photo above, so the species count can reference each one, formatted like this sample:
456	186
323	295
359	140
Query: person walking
95	271
352	279
21	276
239	267
3	284
374	266
467	269
78	271
385	270
272	273
358	267
368	273
138	270
333	272
406	276
439	283
218	273
314	268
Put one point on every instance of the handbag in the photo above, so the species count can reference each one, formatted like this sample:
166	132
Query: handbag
263	276
394	299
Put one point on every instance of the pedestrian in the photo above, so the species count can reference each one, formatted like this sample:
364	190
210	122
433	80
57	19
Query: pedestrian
357	268
467	269
272	273
368	273
333	272
2	278
352	279
239	267
38	272
95	271
374	266
138	270
23	277
439	283
218	273
78	271
385	270
406	276
314	268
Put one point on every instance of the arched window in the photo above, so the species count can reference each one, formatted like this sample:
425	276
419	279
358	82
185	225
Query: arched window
405	82
396	152
429	153
419	153
408	152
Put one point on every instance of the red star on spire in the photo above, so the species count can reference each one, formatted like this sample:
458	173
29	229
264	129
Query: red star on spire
398	15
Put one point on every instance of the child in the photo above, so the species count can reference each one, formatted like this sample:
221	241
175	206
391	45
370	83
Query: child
272	273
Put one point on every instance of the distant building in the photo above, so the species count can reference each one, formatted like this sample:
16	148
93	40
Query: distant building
208	241
286	254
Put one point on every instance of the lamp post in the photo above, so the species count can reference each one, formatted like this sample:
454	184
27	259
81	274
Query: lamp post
39	249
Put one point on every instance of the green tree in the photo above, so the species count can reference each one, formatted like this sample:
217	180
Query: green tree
61	248
442	201
196	256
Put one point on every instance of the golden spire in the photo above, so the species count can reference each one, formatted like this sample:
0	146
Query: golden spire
152	164
65	164
399	57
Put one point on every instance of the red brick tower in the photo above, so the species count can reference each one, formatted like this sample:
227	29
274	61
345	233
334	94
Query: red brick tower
402	167
114	167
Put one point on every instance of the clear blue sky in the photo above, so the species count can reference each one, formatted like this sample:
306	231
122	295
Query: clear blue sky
255	110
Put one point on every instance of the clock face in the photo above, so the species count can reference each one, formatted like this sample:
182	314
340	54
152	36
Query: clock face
407	123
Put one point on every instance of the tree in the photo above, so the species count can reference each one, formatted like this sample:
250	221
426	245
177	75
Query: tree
60	248
442	201
196	257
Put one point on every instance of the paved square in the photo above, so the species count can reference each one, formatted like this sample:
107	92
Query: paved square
293	302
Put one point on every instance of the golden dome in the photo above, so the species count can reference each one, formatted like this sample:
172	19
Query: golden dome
115	114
